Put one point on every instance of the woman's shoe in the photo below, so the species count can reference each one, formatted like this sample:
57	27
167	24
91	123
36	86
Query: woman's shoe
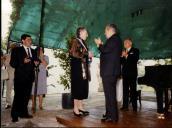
161	116
33	109
41	108
7	106
85	113
78	115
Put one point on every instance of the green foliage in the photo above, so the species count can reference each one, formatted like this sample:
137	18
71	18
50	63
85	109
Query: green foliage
15	15
64	60
3	46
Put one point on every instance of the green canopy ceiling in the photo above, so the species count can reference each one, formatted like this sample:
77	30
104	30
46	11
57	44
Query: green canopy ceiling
148	22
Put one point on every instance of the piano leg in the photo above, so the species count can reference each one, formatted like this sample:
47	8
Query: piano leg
170	101
171	97
159	97
166	100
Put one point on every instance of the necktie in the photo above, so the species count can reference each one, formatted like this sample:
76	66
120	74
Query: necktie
28	53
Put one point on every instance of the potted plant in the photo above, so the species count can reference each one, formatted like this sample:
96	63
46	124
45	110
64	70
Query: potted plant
64	60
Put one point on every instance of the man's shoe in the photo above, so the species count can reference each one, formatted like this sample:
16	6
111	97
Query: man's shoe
104	119
109	120
104	116
135	110
15	120
124	109
26	116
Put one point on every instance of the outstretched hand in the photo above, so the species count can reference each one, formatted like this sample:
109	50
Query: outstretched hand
90	54
98	41
124	54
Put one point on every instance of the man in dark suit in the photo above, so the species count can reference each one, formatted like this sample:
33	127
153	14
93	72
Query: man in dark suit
23	60
129	59
110	68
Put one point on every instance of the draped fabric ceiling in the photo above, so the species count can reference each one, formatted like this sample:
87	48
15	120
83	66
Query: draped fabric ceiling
148	22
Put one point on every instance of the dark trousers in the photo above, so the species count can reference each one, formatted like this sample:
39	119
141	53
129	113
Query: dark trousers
159	97
129	90
22	92
109	85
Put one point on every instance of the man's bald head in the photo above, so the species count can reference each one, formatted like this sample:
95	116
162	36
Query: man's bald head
110	30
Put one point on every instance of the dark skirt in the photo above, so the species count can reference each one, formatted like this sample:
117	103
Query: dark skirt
79	86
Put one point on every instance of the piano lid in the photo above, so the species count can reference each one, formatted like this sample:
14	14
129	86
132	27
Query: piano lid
157	76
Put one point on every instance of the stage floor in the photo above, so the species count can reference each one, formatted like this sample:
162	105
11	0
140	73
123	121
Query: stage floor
145	118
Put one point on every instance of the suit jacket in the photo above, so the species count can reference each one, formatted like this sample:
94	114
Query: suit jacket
110	54
129	64
23	72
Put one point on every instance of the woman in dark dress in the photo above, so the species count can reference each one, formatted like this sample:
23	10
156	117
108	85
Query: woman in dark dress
80	75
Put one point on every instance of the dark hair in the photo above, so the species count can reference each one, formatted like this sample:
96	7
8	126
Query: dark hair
129	38
38	49
2	53
24	36
79	30
42	49
113	26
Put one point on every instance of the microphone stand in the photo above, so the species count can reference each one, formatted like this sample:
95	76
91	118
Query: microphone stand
36	81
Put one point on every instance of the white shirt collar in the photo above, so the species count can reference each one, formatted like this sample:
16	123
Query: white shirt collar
25	47
128	49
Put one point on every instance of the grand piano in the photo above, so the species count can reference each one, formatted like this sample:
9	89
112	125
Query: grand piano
160	78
